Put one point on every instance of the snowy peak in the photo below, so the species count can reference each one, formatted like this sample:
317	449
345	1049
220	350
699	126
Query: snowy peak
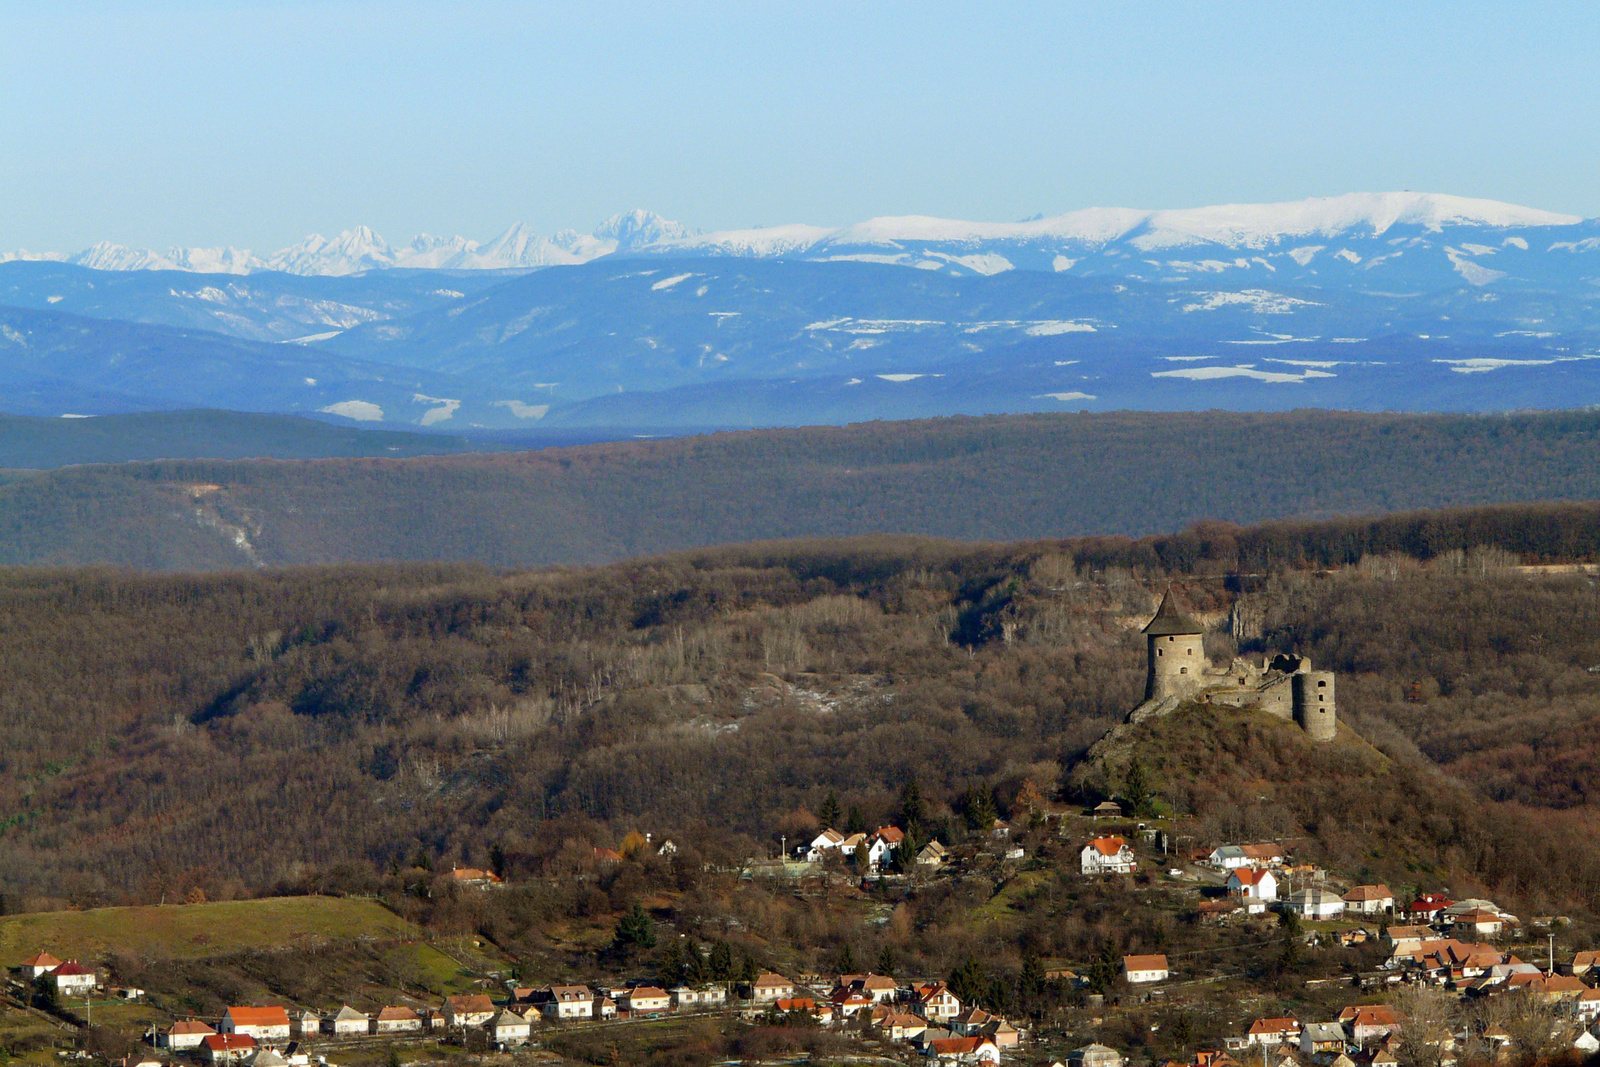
1302	237
638	229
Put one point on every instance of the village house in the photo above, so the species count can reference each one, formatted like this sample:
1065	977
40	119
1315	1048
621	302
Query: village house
183	1034
899	1026
934	1002
1270	1032
345	1022
1107	855
884	842
472	876
1405	938
604	1007
1232	857
1255	888
1369	900
506	1027
703	998
874	986
265	1057
40	963
933	854
559	1002
821	1014
847	1003
973	1022
1316	903
822	844
963	1050
1478	921
1095	1055
1428	907
1587	1007
467	1011
1108	809
1582	962
1139	969
1369	1022
73	979
852	843
263	1024
1317	1039
646	1000
768	987
226	1048
396	1019
305	1023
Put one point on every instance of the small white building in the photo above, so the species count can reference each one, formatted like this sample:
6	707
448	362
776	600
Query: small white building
345	1022
73	979
38	964
769	987
825	842
688	998
1145	968
508	1028
560	1002
1316	903
1255	888
184	1034
263	1024
1369	900
396	1019
647	1000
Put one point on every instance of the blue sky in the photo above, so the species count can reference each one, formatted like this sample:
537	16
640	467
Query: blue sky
254	124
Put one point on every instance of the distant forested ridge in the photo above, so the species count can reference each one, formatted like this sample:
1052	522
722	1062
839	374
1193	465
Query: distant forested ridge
993	478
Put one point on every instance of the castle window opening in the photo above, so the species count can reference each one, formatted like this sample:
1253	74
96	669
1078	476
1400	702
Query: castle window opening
1183	670
1322	685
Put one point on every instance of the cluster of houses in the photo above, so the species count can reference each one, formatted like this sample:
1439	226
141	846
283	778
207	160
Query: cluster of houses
926	1015
876	848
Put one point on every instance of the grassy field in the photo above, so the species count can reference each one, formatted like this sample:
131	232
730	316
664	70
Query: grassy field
187	931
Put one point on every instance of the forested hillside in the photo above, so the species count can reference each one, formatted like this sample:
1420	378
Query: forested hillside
331	728
998	478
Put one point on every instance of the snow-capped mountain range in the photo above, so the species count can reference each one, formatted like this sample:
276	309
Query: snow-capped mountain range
1353	234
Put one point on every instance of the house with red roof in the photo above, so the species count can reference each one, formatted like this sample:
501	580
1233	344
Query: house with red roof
1254	886
74	979
1140	969
226	1048
1107	855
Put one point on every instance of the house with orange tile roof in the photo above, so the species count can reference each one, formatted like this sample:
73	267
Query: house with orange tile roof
39	963
183	1034
1139	969
264	1024
1107	855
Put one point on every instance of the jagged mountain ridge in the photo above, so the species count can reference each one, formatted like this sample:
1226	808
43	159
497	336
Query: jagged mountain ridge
1405	237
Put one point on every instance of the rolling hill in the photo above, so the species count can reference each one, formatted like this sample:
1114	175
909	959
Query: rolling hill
996	478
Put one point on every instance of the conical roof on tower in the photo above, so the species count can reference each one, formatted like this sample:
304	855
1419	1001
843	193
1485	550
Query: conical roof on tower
1170	620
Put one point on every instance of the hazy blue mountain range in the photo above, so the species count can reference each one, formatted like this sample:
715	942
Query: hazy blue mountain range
1395	301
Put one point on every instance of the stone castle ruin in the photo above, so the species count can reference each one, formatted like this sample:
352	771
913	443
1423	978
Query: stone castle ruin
1178	671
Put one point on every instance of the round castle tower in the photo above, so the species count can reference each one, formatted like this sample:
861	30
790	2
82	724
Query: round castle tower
1313	704
1176	653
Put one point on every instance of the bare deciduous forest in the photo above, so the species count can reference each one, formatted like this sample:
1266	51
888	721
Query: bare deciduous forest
333	729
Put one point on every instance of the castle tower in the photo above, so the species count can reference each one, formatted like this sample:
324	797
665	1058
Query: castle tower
1176	655
1314	706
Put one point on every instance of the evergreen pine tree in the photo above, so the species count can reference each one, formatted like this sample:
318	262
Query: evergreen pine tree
910	806
828	814
721	962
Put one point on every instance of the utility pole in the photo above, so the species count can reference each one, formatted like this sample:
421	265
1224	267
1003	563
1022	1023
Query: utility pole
1552	953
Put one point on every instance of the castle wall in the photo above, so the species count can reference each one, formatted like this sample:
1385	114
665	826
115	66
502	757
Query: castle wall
1277	698
1177	665
1314	705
